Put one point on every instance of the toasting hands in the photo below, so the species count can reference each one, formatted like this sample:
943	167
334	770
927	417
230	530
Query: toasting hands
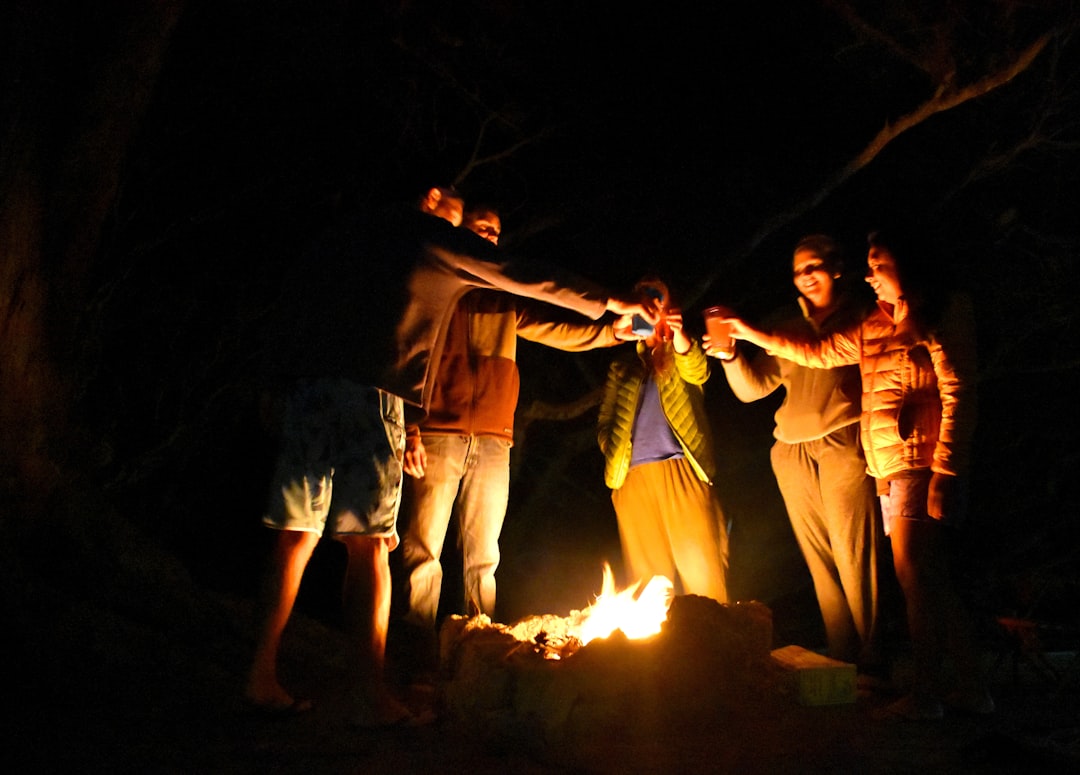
647	307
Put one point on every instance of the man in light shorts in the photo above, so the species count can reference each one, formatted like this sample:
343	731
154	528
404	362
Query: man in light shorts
338	475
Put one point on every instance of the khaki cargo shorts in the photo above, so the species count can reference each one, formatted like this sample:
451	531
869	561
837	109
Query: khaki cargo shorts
338	469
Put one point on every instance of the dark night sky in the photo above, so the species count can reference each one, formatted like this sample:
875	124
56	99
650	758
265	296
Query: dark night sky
678	137
661	137
669	134
664	124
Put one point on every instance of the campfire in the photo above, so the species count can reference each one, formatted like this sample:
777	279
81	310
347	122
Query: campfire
636	615
635	655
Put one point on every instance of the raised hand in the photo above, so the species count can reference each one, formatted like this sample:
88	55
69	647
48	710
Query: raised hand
648	308
623	329
679	340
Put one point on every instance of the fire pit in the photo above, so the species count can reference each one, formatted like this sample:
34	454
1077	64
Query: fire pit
538	684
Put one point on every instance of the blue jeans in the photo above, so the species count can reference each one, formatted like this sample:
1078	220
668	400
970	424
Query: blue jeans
467	476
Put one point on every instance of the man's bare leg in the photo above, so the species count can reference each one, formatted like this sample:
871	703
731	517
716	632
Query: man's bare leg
292	551
366	599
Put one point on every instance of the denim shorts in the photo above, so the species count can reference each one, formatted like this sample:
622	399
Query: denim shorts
905	497
338	469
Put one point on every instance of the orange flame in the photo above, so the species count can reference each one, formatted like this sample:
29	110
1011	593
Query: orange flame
638	615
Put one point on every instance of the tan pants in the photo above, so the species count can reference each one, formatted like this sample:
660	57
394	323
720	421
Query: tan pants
832	506
671	524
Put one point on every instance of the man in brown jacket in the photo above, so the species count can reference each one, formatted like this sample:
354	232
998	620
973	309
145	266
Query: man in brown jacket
458	456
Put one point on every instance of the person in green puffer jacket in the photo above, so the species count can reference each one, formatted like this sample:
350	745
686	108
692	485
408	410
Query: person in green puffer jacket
659	460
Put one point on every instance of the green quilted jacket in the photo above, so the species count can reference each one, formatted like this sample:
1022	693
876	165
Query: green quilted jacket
682	397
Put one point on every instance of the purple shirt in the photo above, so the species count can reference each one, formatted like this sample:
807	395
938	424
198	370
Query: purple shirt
652	438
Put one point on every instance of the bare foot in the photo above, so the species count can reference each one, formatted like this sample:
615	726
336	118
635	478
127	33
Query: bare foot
270	697
382	711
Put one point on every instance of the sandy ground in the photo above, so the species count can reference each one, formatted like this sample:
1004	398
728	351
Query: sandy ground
108	691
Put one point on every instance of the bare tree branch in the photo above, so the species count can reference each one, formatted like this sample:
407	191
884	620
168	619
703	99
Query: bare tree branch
946	97
1048	125
872	32
476	161
545	411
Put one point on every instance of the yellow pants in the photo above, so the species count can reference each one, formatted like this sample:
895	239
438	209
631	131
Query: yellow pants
671	524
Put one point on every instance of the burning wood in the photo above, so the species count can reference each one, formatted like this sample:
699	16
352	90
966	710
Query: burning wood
545	681
636	615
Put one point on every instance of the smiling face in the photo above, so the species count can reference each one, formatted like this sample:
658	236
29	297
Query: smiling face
882	275
813	278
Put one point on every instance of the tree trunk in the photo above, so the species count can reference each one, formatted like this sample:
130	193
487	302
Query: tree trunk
79	78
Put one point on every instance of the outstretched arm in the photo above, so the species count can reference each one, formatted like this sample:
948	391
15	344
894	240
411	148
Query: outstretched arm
751	380
840	348
743	331
479	263
536	325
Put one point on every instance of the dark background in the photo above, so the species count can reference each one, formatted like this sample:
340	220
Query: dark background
164	165
616	142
